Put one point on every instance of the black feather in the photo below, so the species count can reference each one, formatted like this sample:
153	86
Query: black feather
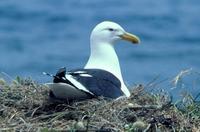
101	82
60	77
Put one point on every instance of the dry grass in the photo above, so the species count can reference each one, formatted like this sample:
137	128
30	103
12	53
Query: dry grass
25	106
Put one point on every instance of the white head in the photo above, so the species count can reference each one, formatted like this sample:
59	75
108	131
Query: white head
110	32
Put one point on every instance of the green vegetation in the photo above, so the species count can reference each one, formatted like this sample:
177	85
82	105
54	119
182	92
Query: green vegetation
25	106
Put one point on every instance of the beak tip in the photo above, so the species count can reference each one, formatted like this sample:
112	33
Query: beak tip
137	41
130	37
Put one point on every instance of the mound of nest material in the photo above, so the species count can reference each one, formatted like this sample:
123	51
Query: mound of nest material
25	106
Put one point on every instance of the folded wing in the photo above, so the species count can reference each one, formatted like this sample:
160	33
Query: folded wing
88	82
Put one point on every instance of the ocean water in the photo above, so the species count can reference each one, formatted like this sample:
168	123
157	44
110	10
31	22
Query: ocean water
44	35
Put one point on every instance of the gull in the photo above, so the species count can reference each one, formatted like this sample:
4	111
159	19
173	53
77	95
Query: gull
101	76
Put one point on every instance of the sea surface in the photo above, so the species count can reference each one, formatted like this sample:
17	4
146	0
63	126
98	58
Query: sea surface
43	35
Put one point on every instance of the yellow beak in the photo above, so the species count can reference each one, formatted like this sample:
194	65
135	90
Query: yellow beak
130	37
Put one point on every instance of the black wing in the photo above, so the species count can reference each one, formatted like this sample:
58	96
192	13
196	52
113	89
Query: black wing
99	82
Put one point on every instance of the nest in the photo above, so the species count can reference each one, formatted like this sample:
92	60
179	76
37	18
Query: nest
25	106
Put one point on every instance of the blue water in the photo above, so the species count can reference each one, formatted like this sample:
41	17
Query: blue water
44	35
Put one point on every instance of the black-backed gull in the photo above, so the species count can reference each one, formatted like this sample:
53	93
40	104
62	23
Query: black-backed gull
101	76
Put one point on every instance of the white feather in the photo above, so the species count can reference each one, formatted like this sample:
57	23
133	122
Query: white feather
78	72
77	84
85	75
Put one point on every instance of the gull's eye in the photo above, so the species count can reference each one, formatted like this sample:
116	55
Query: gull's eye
110	29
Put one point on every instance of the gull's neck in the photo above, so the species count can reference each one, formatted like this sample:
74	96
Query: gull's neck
103	56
